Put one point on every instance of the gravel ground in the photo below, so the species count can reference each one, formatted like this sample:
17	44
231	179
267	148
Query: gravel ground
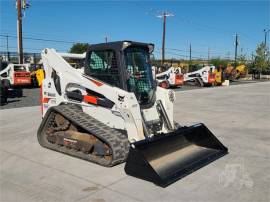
31	95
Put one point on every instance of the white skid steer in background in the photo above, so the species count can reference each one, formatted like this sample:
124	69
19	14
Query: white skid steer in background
204	76
172	77
16	74
112	112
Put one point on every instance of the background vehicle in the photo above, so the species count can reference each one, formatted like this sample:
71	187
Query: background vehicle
204	76
6	79
16	74
3	92
111	111
232	73
170	78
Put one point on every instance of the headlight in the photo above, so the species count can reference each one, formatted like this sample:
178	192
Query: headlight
171	95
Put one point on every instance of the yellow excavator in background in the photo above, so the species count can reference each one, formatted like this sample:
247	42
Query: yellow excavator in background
241	71
234	73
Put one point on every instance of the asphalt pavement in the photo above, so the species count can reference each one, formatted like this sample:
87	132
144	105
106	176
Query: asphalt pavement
31	96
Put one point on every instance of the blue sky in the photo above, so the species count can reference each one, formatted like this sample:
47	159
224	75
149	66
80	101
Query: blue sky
204	24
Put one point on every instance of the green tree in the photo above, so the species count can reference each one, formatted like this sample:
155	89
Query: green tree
242	59
262	58
79	48
217	61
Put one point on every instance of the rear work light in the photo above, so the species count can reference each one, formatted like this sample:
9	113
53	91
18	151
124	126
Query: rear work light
211	77
179	79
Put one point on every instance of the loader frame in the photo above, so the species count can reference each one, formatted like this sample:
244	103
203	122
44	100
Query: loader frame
127	118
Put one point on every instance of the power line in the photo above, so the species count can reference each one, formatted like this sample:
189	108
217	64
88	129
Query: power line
68	42
204	53
42	39
210	28
175	49
196	51
35	34
33	49
172	53
32	34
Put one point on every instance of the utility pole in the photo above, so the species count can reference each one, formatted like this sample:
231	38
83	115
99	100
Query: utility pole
7	49
265	41
208	55
190	54
106	39
20	5
236	46
164	16
19	31
163	37
265	36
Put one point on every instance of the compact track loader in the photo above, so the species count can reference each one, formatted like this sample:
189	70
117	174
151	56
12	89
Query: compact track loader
111	111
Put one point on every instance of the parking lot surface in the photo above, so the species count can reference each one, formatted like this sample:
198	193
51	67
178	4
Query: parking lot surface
238	115
31	96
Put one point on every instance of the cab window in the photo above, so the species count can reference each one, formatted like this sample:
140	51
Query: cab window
103	66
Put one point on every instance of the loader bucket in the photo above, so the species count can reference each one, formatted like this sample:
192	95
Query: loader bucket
167	158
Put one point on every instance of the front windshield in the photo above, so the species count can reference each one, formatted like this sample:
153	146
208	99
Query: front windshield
19	68
139	73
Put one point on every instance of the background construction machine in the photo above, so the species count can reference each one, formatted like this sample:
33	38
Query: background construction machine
172	77
16	74
4	84
13	77
111	111
233	73
203	76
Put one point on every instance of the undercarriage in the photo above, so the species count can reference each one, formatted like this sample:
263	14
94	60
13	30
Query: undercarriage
82	136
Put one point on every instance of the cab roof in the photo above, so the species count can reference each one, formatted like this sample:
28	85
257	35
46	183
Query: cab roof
120	45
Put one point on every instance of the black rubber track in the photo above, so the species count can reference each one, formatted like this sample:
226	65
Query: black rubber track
117	141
